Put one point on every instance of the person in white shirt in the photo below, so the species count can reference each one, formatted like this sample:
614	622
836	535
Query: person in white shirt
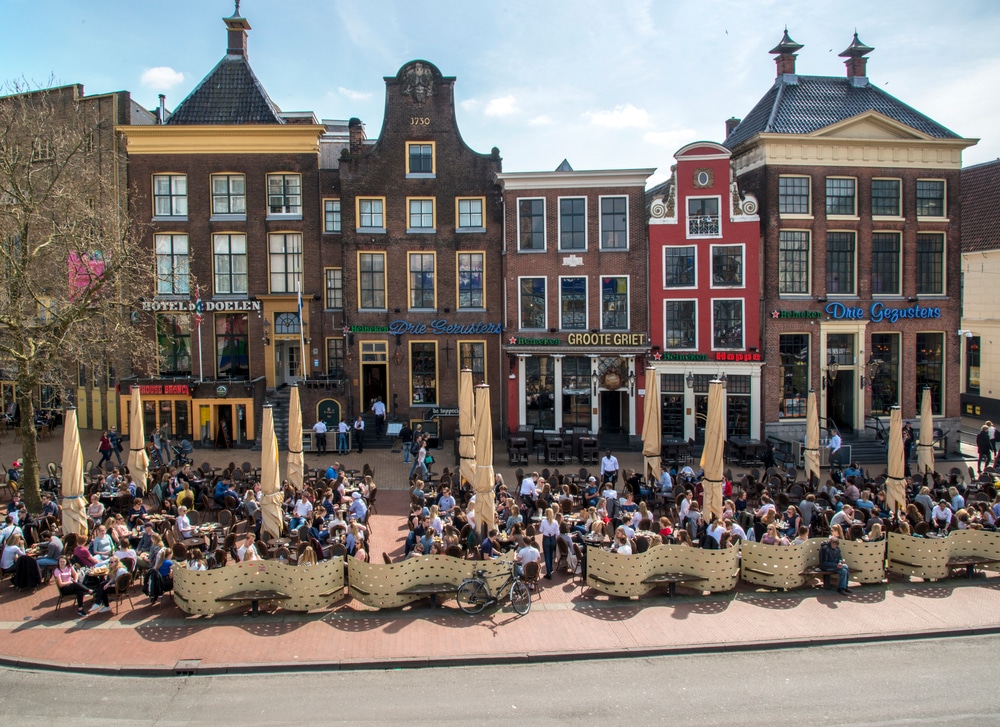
834	447
379	408
715	529
247	551
666	481
941	515
320	429
609	468
303	509
621	546
529	492
528	554
549	530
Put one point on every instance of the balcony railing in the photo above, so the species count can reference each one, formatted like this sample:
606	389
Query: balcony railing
703	226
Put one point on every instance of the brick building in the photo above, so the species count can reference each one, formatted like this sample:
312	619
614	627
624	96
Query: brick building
859	197
704	293
577	329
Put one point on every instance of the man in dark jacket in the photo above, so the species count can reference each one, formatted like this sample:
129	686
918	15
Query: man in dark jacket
831	560
985	448
406	438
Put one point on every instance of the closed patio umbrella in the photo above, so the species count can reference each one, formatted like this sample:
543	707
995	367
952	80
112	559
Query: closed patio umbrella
138	460
711	455
811	453
270	478
74	515
296	472
652	434
466	428
483	482
895	482
925	449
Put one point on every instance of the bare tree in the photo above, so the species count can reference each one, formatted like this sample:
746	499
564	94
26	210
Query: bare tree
71	262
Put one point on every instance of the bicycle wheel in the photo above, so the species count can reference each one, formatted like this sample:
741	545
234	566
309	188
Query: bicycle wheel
472	596
520	597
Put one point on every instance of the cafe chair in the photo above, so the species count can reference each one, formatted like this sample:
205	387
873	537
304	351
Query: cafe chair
338	550
122	584
532	572
386	559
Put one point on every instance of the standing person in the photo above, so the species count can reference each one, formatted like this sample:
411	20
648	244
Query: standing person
609	468
549	530
116	444
406	437
106	450
907	447
984	446
994	442
834	447
320	430
379	408
359	433
342	430
419	457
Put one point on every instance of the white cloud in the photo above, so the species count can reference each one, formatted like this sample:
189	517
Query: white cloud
503	106
161	78
354	95
470	104
541	120
620	117
672	140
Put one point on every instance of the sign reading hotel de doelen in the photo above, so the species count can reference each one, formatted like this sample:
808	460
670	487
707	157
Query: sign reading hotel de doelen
209	306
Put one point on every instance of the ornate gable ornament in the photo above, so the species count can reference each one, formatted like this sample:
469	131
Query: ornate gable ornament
419	80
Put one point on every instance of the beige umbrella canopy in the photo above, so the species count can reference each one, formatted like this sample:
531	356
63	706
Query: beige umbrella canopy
895	483
466	428
812	437
296	465
925	448
711	455
270	478
652	436
483	482
74	515
138	460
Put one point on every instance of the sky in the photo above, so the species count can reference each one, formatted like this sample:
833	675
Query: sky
603	84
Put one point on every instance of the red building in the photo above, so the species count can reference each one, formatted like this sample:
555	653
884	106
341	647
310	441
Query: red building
704	293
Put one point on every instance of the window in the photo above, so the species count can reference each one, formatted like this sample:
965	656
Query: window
423	373
614	303
334	289
703	217
469	213
840	263
471	285
173	338
573	223
972	364
230	264
614	223
172	273
840	196
793	350
421	280
371	279
930	198
335	358
370	213
576	391
679	323
420	215
331	216
930	264
540	392
532	302
793	195
793	262
727	324
573	304
531	224
287	323
472	356
41	150
420	158
285	253
232	346
229	194
727	266
284	194
885	263
679	267
885	383
738	406
885	198
170	195
930	370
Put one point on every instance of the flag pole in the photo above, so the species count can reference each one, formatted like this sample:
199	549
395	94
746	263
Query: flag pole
304	358
198	309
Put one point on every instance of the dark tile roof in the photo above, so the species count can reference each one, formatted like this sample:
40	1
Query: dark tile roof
815	102
980	206
229	94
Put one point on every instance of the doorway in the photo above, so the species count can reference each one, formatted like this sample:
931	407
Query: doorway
614	411
840	401
287	362
373	383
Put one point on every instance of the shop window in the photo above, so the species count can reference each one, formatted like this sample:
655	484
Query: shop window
576	391
232	346
173	337
472	356
930	370
793	350
885	382
539	391
423	373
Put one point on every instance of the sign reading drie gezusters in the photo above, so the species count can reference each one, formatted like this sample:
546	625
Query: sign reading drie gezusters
878	312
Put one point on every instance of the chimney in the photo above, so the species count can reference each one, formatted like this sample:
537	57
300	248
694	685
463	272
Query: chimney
731	124
784	55
356	132
237	26
856	62
162	113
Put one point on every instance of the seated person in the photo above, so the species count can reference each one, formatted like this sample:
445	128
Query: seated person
49	508
106	586
223	488
248	551
68	583
446	503
102	546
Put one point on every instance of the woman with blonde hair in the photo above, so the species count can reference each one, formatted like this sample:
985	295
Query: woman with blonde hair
308	556
875	534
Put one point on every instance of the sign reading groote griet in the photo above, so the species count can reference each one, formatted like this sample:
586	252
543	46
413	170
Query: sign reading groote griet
878	312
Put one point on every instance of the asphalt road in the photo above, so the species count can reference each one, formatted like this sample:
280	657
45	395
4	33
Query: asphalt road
940	682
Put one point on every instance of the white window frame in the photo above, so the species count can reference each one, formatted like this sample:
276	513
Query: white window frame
229	255
809	200
944	199
600	222
333	216
586	231
743	266
412	229
229	196
458	215
295	284
628	301
586	299
687	217
697	332
834	216
178	275
743	317
381	214
663	267
899	199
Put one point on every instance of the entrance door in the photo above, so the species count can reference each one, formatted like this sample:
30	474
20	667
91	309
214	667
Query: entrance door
373	383
611	412
287	362
840	401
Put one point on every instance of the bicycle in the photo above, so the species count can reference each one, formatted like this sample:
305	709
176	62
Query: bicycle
474	594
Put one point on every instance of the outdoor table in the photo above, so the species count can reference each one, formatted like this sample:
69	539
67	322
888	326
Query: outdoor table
671	580
254	596
970	562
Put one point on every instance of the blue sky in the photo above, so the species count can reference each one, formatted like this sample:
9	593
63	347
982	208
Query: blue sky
603	84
